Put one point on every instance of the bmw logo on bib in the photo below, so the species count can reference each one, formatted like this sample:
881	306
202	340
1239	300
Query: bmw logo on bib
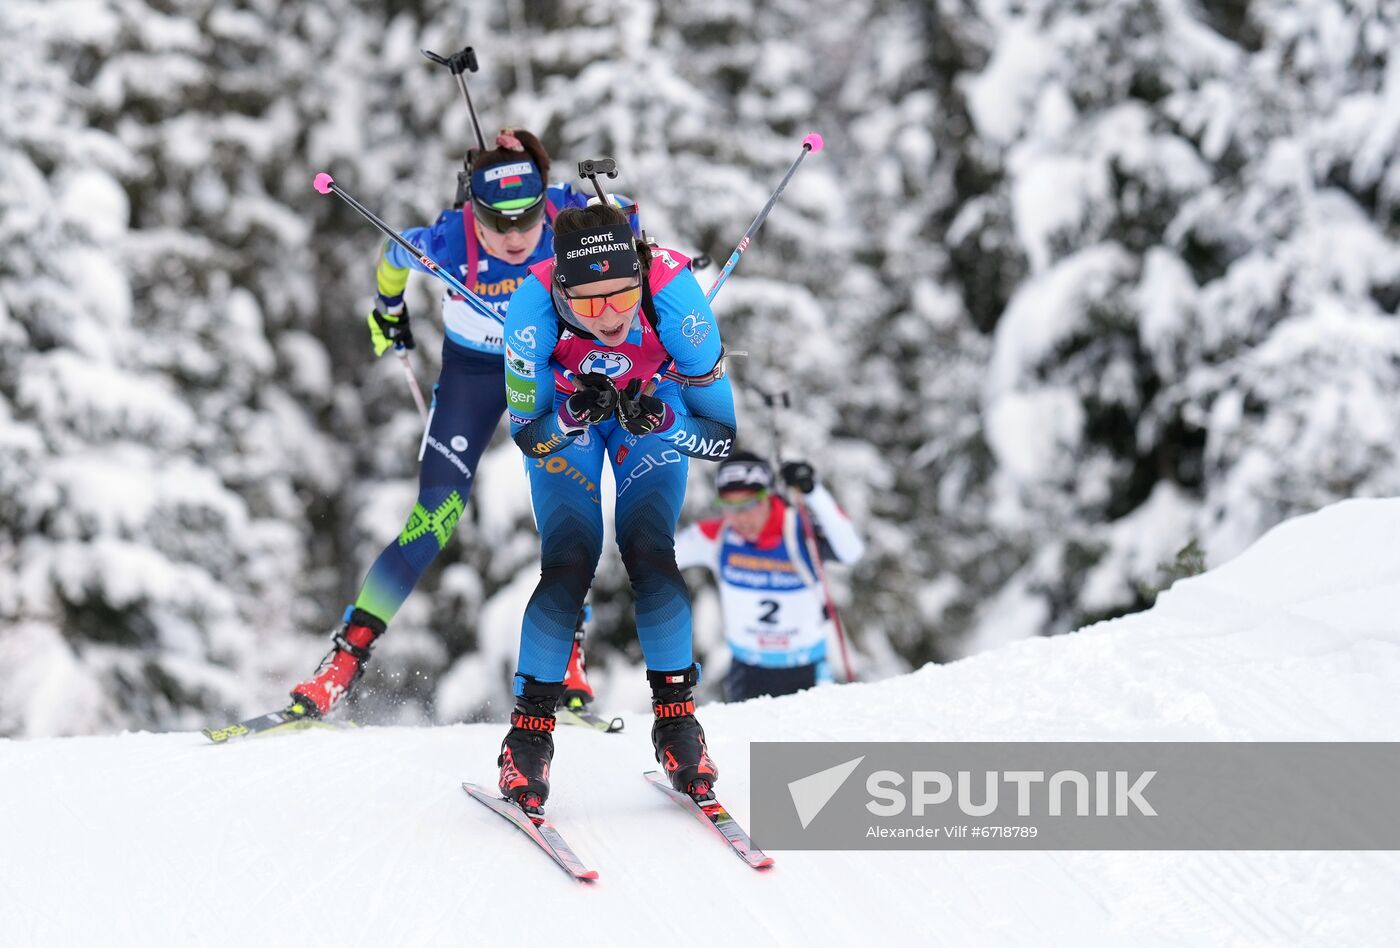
611	364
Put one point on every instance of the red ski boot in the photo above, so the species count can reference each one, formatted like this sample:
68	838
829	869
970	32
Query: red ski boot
342	667
578	693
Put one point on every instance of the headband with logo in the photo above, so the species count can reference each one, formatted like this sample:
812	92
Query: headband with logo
600	253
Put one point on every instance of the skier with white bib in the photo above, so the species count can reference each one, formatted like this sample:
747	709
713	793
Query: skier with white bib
774	610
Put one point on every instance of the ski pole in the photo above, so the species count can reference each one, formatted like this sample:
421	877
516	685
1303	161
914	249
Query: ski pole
811	143
813	549
326	185
809	532
460	62
412	382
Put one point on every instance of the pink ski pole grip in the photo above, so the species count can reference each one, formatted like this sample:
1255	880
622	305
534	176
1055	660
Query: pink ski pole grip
323	183
813	141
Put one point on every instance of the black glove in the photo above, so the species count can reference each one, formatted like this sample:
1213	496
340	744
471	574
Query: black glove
639	413
799	474
595	400
388	326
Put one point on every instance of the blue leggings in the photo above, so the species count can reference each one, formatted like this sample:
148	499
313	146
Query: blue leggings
567	497
468	402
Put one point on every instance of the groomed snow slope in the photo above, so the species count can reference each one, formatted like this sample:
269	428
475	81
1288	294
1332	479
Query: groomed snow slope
364	838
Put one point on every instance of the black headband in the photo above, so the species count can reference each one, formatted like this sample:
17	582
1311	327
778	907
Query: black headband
600	253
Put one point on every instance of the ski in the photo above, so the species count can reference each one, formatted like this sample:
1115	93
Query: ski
537	828
711	812
582	717
292	718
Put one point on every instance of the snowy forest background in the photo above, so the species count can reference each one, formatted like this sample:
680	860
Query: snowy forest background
1079	297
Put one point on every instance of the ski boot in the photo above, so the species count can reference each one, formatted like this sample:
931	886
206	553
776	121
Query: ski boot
342	666
528	747
676	735
578	693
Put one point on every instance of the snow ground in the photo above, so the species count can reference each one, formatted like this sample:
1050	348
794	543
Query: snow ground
364	838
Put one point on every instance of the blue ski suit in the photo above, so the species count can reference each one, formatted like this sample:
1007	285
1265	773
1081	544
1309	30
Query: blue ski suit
545	347
468	399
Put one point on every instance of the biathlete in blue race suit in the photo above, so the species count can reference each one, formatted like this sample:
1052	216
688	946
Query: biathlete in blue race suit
585	333
490	245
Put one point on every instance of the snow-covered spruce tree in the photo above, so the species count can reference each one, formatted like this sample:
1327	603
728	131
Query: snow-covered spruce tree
911	323
158	504
1204	344
1298	394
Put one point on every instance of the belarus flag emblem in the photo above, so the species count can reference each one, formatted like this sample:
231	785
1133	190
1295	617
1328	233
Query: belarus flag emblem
511	182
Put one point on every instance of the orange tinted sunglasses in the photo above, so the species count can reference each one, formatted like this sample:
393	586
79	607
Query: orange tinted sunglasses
591	307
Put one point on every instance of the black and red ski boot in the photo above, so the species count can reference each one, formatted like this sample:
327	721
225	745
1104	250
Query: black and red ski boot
528	748
677	736
342	666
578	693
